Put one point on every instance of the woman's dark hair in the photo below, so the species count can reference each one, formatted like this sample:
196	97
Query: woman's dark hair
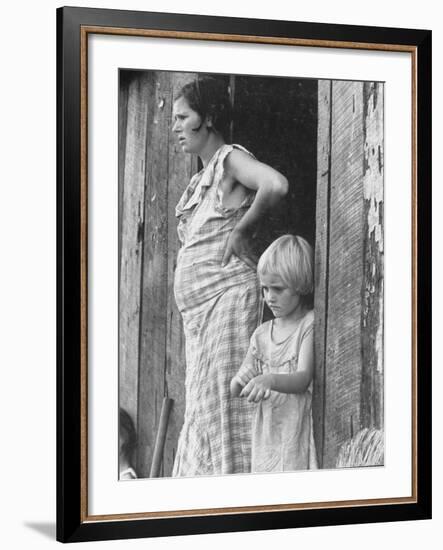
128	434
209	97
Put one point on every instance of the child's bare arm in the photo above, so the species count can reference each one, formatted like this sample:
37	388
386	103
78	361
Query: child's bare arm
246	372
257	389
297	382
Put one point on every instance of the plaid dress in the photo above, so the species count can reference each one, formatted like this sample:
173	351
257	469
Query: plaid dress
220	310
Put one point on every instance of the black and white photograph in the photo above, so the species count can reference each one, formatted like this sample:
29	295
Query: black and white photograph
250	274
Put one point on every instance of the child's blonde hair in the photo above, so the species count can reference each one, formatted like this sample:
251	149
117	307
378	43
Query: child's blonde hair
291	258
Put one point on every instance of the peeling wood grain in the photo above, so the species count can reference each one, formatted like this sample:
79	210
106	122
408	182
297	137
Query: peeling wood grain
373	284
343	353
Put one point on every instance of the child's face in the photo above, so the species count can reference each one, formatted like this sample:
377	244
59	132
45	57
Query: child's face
281	300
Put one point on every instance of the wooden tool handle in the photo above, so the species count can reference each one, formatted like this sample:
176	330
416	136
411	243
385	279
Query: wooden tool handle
157	455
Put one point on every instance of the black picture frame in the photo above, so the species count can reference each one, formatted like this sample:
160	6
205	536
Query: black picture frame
72	518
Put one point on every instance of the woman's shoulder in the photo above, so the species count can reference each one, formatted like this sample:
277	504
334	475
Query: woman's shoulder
234	152
229	147
230	154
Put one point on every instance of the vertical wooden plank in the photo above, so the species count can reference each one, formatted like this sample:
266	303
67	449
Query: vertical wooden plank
181	167
122	128
154	274
321	258
372	291
131	245
232	97
343	377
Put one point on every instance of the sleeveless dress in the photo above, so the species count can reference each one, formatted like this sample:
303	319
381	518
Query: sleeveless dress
282	427
220	310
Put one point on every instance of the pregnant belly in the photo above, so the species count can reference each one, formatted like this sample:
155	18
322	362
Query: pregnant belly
196	282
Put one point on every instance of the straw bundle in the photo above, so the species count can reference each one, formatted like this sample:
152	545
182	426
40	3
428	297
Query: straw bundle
366	448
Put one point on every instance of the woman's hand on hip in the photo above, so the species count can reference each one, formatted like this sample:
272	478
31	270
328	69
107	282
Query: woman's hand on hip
238	244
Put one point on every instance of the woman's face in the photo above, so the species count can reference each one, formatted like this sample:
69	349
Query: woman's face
192	133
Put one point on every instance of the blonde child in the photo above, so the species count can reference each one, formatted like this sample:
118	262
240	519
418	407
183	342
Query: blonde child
277	371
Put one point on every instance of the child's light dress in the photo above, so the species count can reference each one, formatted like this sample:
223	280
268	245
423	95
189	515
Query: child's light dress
282	432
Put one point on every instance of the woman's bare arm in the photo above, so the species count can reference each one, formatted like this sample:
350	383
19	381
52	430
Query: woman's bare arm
270	187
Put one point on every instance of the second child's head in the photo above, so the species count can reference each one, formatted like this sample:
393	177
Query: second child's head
127	438
285	270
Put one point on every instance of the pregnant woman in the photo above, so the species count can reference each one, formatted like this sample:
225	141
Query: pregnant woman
216	286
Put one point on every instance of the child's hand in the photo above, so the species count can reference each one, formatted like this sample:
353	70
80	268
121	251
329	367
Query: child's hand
258	389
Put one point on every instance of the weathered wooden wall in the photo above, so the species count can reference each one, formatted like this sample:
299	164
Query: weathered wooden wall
349	264
152	179
135	99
